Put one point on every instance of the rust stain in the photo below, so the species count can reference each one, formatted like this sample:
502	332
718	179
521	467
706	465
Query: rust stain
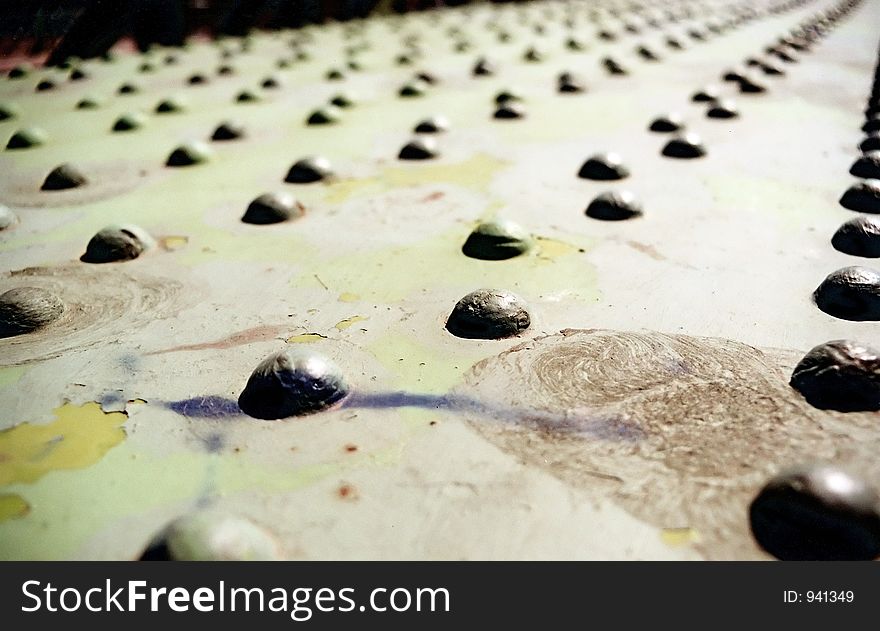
248	336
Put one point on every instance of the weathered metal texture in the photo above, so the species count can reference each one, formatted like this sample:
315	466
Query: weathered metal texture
640	412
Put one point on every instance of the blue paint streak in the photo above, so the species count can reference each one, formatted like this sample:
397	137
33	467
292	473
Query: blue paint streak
205	407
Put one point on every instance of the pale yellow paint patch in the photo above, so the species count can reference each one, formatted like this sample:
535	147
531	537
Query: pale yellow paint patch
79	436
173	243
677	537
13	506
348	322
306	338
475	173
348	297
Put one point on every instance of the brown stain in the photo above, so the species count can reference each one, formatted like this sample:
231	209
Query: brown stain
433	197
646	249
351	448
248	336
347	492
691	427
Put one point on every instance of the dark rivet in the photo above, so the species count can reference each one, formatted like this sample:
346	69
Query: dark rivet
146	67
707	94
189	154
688	145
427	77
211	536
533	54
403	60
128	88
871	143
850	293
817	513
116	243
614	206
667	123
324	116
647	53
8	111
573	43
88	103
510	110
343	100
45	84
840	375
606	35
78	74
872	125
723	108
283	63
228	130
413	88
483	68
225	70
171	106
488	314
868	166
171	60
567	83
309	170
674	43
197	79
462	46
506	96
26	309
27	138
63	177
272	208
270	83
433	125
734	74
248	96
419	149
751	85
859	237
497	241
604	166
7	218
18	72
334	74
292	383
613	67
863	197
130	121
771	69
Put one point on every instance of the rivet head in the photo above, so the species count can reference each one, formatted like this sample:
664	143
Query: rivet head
817	513
871	143
707	94
615	206
212	536
88	103
688	145
197	79
604	166
850	293
751	85
667	123
172	105
433	125
45	84
483	68
27	138
308	170
568	83
128	88
7	218
723	108
859	237
343	100
271	208
26	309
839	375
189	154
270	83
228	130
248	96
613	67
510	110
8	111
327	115
868	166
63	177
292	383
117	243
488	314
419	149
497	240
414	88
129	122
863	197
